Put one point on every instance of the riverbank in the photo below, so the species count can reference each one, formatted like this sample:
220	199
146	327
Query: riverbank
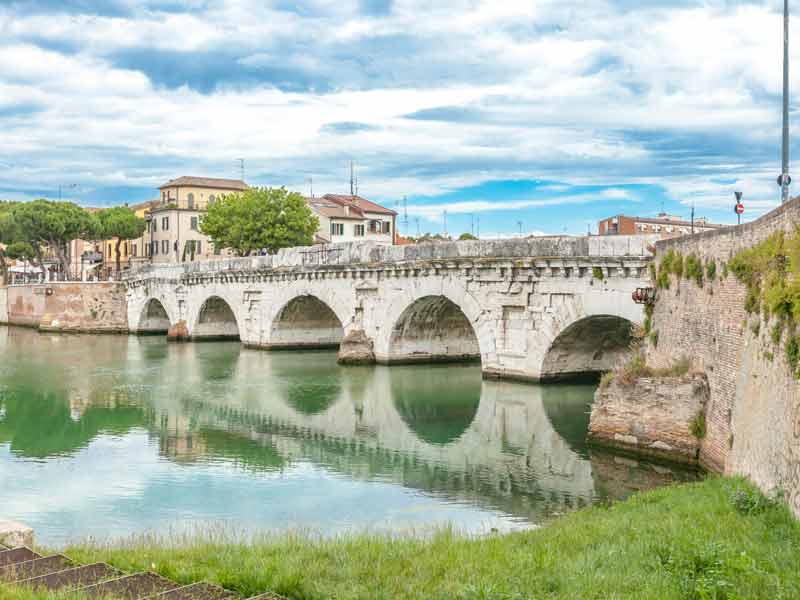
715	539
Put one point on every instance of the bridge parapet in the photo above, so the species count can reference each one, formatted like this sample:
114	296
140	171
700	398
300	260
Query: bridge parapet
587	250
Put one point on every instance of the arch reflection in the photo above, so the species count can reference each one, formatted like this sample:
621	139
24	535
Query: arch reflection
437	408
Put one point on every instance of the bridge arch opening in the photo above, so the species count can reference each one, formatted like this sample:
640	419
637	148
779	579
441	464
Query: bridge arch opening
306	322
587	347
433	329
154	318
216	321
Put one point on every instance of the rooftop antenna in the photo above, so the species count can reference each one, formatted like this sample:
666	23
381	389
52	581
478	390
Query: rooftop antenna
241	168
692	217
784	180
417	221
444	220
477	226
405	214
311	186
519	224
352	179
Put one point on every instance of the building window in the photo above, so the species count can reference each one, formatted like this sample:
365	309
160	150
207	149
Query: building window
126	249
109	251
190	201
133	250
211	199
197	247
193	223
164	223
358	230
387	227
374	226
164	246
154	223
163	197
153	248
337	229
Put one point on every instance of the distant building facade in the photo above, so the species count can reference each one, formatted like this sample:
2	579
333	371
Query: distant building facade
344	218
173	227
664	224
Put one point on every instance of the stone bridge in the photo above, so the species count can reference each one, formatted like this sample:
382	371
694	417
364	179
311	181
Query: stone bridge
533	309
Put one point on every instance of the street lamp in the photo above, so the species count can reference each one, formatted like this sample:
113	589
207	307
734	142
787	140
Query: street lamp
784	180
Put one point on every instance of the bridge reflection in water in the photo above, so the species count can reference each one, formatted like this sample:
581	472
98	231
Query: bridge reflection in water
504	447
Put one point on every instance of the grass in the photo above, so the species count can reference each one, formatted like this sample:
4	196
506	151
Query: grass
717	539
636	368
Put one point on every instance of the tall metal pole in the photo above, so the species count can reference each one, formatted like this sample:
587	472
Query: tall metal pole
785	180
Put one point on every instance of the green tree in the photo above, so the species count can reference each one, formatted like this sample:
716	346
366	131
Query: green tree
54	224
7	237
271	218
466	236
122	223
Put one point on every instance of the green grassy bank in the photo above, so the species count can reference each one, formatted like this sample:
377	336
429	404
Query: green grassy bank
717	539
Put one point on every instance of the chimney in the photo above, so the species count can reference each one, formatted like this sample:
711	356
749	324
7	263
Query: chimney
346	210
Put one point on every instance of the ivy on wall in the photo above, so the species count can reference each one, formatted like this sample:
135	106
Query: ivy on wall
771	272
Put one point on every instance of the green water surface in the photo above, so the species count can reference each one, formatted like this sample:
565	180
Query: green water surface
106	436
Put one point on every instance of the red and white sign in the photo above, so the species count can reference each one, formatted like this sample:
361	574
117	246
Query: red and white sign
739	208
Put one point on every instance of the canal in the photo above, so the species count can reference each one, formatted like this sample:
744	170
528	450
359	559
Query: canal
106	436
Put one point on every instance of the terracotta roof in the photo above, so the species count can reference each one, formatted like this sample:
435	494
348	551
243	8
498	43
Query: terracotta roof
207	182
334	210
145	204
360	203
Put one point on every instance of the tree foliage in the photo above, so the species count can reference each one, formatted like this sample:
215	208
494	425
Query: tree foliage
466	236
260	218
122	223
54	224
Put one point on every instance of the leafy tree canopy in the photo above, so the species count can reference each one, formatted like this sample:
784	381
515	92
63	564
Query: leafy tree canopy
270	218
466	236
119	222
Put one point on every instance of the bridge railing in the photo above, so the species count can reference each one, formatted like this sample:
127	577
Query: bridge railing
364	253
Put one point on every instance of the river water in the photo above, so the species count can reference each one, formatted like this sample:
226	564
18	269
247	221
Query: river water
107	436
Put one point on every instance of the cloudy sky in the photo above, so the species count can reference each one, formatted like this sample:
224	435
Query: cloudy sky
534	114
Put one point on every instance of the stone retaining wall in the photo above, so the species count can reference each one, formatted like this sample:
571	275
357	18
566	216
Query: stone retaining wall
753	413
3	305
652	416
68	306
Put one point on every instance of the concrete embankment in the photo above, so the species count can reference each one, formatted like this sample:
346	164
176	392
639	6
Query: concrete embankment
92	307
752	413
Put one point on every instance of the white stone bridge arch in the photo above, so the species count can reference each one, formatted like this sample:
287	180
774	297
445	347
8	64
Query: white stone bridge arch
532	309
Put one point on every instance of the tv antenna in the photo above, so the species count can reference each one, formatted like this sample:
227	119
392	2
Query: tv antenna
311	186
353	180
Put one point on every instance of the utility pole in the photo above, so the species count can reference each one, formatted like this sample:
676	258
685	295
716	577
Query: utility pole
71	186
405	215
519	224
352	179
472	223
478	226
241	168
444	219
692	218
417	221
784	179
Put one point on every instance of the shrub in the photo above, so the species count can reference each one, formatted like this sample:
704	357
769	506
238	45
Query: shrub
750	501
654	338
711	269
777	333
693	269
793	353
652	268
606	379
698	425
597	273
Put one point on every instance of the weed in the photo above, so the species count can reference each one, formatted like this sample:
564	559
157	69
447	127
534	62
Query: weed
698	425
597	273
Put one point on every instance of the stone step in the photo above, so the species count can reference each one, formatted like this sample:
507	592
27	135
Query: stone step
130	587
17	555
35	568
198	591
72	578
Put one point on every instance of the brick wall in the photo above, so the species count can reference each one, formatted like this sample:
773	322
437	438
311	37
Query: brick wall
753	413
68	306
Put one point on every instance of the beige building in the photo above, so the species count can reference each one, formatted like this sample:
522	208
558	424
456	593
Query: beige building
353	218
173	227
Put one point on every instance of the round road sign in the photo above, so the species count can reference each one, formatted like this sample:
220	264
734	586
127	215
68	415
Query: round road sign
739	208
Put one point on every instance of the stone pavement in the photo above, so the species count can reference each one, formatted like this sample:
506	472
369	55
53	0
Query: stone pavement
57	574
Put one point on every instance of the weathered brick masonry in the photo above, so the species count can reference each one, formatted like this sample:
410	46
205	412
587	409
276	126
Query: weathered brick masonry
753	412
66	306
